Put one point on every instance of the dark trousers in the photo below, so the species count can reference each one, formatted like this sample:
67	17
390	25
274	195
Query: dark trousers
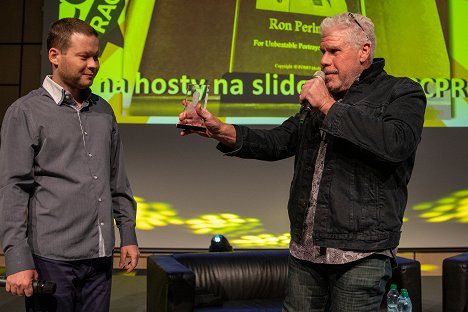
82	285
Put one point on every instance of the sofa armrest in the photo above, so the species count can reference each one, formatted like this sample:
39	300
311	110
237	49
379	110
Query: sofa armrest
455	283
408	275
170	285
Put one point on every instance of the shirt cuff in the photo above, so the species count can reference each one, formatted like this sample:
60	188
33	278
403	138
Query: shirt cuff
128	236
18	259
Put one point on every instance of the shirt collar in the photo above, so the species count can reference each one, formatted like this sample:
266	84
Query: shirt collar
59	94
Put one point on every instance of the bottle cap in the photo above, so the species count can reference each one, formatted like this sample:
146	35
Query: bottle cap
404	292
393	286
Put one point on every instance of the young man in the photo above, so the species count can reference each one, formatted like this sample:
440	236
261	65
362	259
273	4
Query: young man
63	182
354	142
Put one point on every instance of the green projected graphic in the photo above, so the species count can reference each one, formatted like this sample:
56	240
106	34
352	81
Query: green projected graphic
320	8
257	54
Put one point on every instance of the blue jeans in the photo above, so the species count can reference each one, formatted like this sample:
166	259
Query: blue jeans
358	286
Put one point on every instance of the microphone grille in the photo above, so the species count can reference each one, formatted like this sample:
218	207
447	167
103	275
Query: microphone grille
320	74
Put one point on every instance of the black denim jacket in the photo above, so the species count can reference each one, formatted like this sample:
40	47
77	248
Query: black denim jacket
372	136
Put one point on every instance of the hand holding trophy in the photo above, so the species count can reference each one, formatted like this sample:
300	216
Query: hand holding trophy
194	94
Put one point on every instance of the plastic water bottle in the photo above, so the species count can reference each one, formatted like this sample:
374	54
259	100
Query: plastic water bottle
404	302
392	298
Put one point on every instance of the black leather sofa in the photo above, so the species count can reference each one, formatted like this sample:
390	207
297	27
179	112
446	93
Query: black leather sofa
455	283
238	281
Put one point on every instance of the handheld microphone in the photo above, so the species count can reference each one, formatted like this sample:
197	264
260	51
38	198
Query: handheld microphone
306	107
305	110
39	287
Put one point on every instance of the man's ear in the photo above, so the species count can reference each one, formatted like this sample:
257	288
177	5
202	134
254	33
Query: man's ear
365	52
54	55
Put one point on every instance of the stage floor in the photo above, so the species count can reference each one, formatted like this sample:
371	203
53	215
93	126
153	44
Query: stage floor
129	294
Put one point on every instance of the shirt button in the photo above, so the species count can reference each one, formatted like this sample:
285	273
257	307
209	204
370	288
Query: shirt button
95	177
99	199
102	223
90	155
85	133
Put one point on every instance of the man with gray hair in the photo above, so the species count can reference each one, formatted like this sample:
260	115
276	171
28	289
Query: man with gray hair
354	144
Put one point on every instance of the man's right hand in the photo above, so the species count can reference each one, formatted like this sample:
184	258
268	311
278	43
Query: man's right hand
20	283
215	128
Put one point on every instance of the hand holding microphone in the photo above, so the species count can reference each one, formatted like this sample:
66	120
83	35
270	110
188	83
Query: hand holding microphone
306	107
314	94
38	286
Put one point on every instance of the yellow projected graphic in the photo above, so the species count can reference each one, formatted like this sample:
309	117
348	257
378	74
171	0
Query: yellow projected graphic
153	214
245	232
263	240
429	267
450	208
227	223
249	232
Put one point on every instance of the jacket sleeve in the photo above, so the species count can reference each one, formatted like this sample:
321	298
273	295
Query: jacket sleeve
123	203
392	136
16	183
272	144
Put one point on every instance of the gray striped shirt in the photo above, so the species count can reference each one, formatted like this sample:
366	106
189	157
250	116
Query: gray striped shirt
62	180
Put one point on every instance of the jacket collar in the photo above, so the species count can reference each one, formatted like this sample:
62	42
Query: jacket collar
375	69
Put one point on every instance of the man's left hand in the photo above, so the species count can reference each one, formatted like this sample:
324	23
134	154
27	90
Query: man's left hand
132	252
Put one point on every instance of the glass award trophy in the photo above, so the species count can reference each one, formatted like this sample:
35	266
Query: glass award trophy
195	93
